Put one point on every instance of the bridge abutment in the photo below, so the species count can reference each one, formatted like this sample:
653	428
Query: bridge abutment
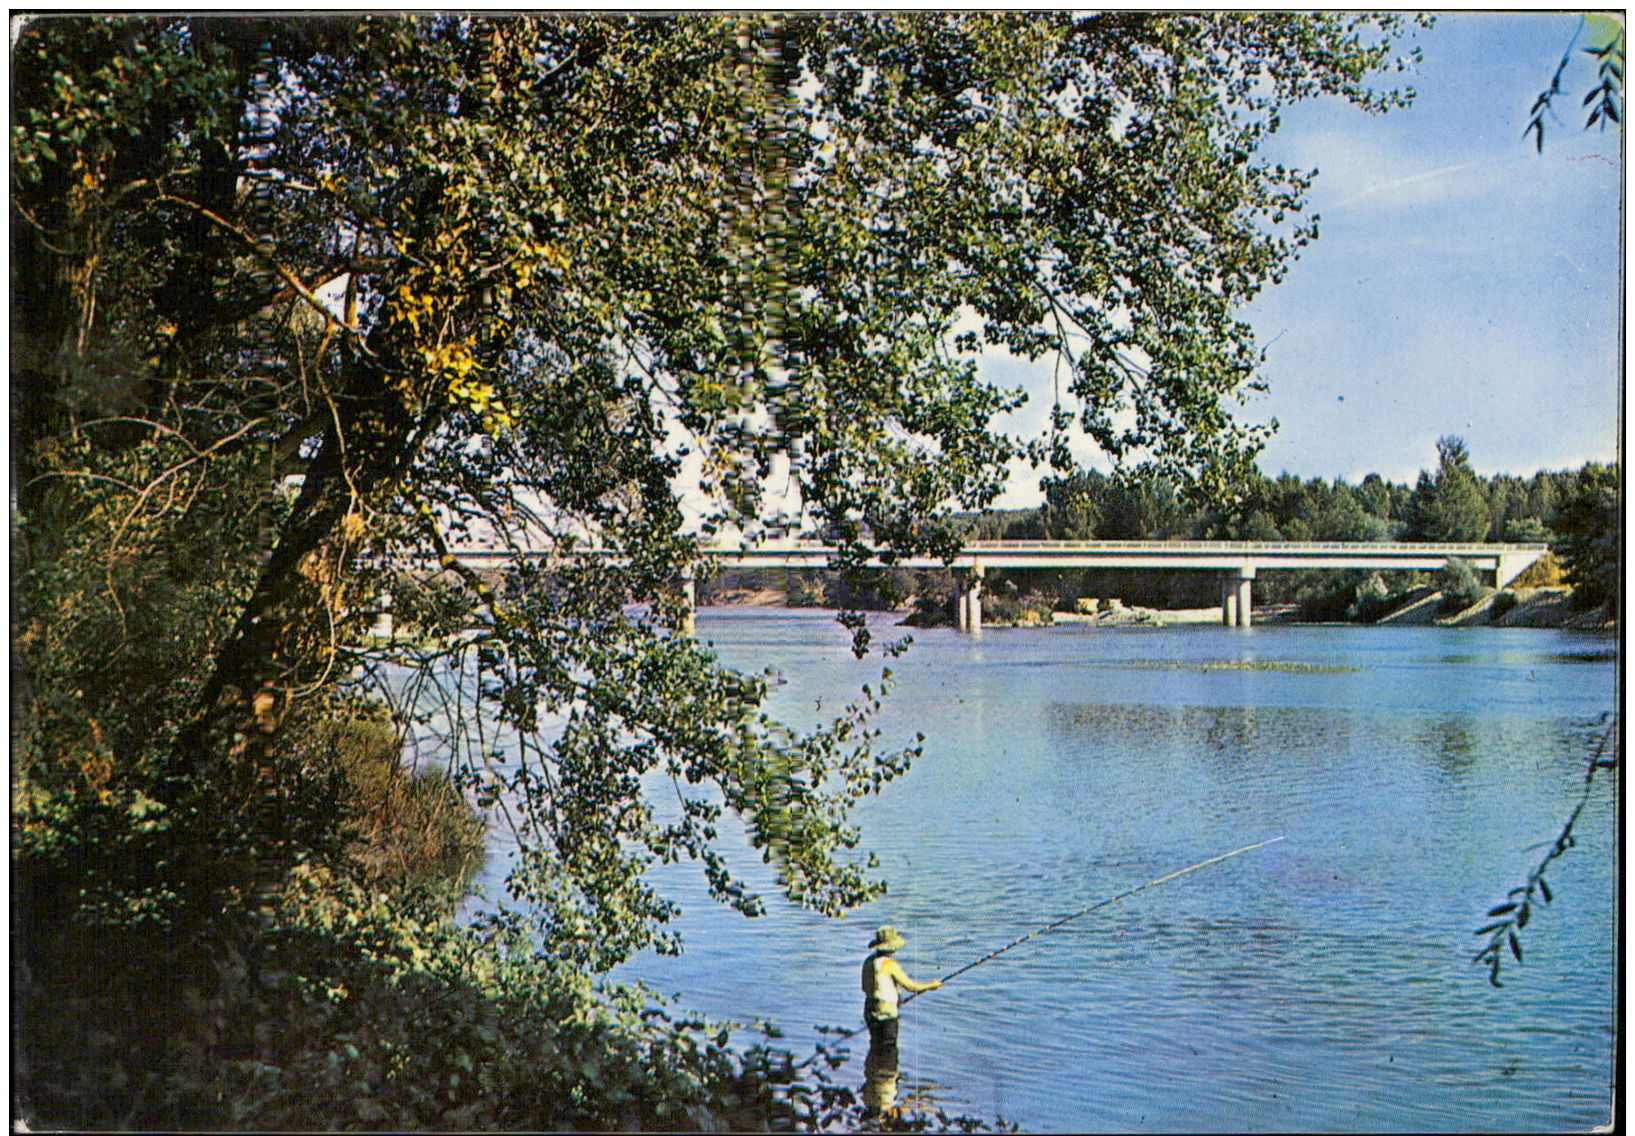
1509	565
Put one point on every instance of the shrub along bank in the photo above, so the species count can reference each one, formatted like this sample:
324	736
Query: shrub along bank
160	984
350	998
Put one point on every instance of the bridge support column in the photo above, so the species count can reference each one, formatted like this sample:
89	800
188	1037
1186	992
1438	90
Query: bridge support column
384	626
1244	585
689	595
1237	598
968	605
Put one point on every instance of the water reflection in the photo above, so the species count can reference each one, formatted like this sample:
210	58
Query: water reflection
880	1078
1455	747
886	1108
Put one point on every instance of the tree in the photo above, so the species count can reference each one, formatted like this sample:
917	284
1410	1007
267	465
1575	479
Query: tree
299	301
1590	538
1459	584
1448	506
1141	507
1073	506
1374	495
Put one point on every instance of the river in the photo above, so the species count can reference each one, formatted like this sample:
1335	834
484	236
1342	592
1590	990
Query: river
1322	983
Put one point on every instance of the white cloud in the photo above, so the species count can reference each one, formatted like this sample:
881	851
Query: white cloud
1435	185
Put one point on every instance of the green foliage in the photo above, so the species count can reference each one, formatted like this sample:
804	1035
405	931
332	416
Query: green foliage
1448	506
1375	497
1460	585
1606	98
553	242
1372	600
410	827
1325	597
345	1009
1073	510
432	605
1527	530
1590	541
1511	916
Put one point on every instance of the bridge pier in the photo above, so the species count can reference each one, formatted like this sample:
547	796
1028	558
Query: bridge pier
384	625
968	603
1237	598
689	596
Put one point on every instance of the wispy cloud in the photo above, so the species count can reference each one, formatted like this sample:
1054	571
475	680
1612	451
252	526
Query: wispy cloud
1417	183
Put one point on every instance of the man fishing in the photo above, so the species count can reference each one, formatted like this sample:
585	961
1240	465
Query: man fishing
882	974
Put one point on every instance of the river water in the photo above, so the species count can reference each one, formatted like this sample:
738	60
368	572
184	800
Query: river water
1323	983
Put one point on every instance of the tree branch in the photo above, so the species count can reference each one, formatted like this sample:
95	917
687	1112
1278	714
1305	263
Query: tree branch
296	284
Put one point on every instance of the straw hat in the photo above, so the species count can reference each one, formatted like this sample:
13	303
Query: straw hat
887	939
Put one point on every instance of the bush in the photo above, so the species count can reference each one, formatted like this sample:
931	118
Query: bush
1503	604
1372	600
408	826
931	610
1326	600
1031	608
349	1009
1459	585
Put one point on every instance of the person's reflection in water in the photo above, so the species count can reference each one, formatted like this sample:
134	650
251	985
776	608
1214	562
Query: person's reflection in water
882	975
880	1081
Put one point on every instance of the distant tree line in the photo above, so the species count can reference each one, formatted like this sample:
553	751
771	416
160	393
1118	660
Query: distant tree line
1574	511
1450	503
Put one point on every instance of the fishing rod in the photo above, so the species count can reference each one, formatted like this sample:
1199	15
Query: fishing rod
991	955
1066	919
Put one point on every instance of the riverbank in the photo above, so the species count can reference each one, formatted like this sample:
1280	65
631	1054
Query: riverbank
1121	615
1543	607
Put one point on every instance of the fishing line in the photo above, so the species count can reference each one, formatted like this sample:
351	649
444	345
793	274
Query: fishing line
1066	919
1098	906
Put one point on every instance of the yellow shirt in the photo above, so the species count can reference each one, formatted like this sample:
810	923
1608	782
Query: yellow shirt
882	974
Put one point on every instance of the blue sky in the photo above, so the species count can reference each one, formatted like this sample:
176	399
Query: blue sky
1462	282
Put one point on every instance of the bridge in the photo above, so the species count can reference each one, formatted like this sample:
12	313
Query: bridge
1238	561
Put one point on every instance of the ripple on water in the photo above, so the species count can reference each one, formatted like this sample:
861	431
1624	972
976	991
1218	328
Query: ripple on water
1321	984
